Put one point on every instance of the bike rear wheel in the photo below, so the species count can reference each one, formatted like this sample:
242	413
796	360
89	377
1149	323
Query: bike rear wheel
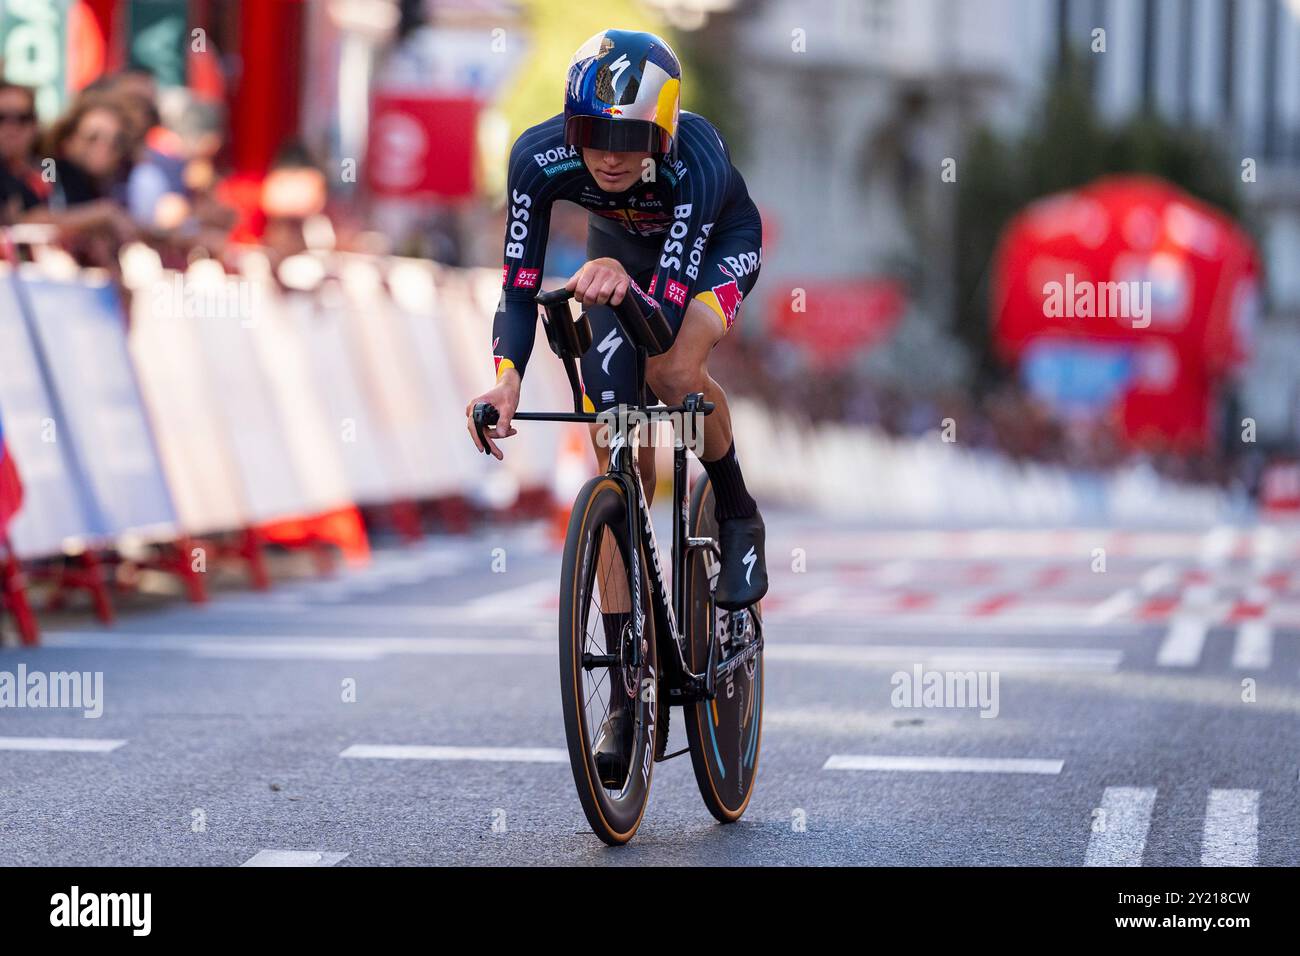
724	733
598	676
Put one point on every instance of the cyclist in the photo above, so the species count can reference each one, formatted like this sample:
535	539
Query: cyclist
671	221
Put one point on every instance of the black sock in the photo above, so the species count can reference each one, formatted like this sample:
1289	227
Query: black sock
730	497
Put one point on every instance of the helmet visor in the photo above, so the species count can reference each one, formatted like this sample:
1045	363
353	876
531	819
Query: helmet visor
619	136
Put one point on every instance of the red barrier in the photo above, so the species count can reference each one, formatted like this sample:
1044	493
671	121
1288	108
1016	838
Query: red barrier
13	596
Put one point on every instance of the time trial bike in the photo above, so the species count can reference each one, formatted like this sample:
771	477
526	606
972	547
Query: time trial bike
632	642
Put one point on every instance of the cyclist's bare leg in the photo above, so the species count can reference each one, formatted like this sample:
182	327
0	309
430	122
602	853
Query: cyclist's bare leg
684	368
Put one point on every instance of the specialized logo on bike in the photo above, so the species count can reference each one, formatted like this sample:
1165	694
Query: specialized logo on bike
750	559
607	347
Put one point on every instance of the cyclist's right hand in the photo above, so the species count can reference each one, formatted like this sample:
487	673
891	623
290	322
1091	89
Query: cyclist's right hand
504	397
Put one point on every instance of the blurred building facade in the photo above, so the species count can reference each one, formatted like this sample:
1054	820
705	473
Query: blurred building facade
854	106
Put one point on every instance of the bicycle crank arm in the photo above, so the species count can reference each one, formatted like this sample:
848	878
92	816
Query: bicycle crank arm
741	657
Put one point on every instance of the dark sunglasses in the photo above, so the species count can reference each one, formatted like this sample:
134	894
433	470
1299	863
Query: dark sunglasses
19	119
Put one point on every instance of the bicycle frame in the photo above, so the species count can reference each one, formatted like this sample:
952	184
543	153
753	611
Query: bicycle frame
569	340
668	606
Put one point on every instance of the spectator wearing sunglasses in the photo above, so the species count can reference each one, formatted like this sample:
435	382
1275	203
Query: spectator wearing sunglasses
21	186
82	164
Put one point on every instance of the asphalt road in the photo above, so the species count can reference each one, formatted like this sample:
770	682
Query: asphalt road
1142	714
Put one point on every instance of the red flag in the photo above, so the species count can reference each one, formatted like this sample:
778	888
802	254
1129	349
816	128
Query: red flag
11	489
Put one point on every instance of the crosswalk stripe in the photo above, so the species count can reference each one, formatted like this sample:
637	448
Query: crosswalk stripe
67	744
1217	546
1184	642
924	764
484	754
1119	833
1119	603
1157	578
1231	835
293	858
1253	647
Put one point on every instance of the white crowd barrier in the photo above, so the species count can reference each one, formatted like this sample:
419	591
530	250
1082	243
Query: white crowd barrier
859	472
235	400
74	415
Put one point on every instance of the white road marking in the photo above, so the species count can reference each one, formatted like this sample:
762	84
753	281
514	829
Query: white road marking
1253	647
285	651
1231	836
1157	578
66	744
525	596
993	658
896	573
1217	545
1266	545
258	647
266	646
485	754
1118	604
293	858
1199	596
817	600
1183	644
1119	833
924	764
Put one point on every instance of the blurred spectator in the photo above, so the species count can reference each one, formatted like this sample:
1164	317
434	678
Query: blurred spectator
90	147
71	185
22	187
155	186
294	190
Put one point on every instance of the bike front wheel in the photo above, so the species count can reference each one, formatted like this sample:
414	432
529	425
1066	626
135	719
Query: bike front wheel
609	691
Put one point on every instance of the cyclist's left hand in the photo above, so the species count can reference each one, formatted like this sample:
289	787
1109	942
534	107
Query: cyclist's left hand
598	282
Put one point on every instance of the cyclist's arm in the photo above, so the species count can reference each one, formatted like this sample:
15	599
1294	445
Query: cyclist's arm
529	195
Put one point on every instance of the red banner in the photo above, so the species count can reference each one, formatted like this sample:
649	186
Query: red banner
422	147
1136	263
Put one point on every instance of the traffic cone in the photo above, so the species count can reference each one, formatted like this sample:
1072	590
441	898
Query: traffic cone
573	467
